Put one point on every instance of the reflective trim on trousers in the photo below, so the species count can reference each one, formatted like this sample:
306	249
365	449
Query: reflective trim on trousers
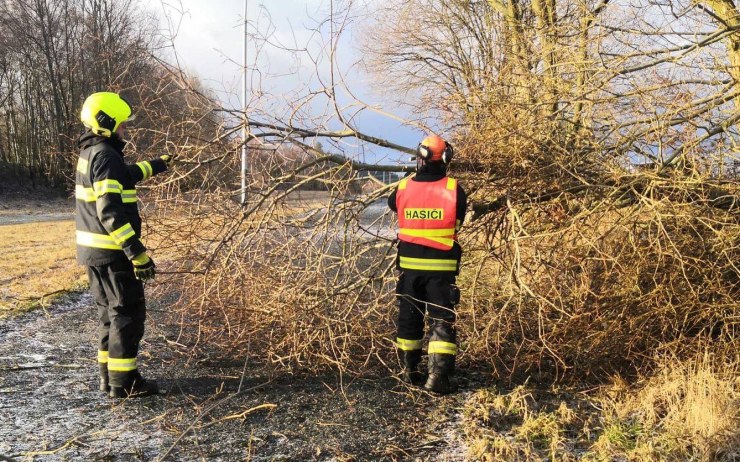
121	364
437	347
408	345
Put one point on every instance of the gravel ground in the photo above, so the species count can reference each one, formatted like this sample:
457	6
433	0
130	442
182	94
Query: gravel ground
51	410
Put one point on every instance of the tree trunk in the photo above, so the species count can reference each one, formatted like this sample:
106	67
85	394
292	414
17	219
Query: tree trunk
727	13
583	62
546	29
515	44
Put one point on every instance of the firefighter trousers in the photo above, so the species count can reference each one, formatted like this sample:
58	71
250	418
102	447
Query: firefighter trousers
119	297
432	296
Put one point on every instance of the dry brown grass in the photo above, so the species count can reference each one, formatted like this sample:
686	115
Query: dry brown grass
38	259
688	410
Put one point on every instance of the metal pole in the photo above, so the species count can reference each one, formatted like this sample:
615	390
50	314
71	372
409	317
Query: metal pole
245	165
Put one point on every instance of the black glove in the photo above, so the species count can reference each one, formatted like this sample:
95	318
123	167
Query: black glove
167	158
143	267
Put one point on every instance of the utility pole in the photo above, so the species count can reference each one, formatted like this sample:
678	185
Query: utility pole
245	164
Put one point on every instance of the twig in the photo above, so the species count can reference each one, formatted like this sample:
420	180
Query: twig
206	412
243	414
59	448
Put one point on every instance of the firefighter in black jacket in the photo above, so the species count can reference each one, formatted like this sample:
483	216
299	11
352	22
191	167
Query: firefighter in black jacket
108	241
431	209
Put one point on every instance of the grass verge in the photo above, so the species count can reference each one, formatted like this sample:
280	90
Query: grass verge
688	410
37	266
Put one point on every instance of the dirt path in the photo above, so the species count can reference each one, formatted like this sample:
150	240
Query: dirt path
16	219
17	209
50	408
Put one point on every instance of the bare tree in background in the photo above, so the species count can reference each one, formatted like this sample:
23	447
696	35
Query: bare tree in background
55	53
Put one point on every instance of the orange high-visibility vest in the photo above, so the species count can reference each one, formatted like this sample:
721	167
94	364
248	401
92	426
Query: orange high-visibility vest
427	212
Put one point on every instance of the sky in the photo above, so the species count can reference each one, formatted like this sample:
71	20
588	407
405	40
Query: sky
208	39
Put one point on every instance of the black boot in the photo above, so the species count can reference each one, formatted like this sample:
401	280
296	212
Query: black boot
412	376
138	388
410	372
439	383
441	367
104	387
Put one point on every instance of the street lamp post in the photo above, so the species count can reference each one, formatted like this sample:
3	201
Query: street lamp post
245	126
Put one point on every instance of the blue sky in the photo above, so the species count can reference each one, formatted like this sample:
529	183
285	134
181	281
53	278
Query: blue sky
208	42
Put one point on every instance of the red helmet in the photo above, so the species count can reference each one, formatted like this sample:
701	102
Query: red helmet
435	149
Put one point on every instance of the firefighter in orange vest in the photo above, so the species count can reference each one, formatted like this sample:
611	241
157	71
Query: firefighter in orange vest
431	209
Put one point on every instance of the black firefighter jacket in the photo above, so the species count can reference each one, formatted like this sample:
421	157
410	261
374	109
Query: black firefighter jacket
107	215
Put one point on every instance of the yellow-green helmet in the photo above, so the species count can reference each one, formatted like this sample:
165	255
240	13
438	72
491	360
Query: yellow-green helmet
103	112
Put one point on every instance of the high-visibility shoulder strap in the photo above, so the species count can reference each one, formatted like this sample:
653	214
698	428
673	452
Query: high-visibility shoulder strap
82	165
403	183
451	184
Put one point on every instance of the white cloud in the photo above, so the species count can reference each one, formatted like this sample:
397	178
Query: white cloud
209	44
209	37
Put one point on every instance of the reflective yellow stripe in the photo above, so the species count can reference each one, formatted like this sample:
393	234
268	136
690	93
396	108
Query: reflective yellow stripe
451	184
403	183
102	356
408	345
85	194
124	232
128	196
98	241
445	348
427	264
146	169
443	236
82	165
446	232
121	364
107	186
88	194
